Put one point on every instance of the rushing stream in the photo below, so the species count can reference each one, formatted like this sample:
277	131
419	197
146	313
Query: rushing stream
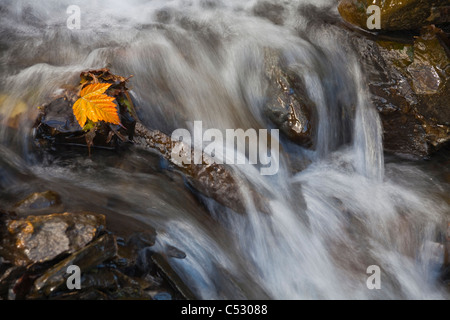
333	212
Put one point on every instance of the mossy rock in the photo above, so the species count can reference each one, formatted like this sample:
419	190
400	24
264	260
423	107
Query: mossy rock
409	83
396	14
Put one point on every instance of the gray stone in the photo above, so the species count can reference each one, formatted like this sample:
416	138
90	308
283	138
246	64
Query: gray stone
37	239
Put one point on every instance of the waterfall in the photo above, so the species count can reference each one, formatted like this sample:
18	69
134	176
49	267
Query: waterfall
344	210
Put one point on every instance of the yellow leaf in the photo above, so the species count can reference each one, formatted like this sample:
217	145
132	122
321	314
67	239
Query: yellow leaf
95	105
94	89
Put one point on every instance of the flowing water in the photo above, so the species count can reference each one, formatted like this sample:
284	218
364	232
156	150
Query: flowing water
347	208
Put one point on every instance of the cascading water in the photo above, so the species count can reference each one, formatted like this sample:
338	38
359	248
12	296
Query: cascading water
204	61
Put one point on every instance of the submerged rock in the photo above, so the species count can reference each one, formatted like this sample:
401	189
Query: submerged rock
38	201
141	240
131	248
37	239
13	111
396	14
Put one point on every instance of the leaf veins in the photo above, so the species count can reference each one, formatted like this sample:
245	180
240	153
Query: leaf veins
95	105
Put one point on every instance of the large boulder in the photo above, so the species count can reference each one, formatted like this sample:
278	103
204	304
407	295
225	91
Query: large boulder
396	14
409	83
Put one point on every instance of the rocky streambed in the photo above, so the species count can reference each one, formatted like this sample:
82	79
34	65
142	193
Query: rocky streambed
38	250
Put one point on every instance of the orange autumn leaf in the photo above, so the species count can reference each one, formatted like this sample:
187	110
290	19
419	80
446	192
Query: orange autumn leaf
95	105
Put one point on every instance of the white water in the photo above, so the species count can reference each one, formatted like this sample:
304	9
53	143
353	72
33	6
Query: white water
204	60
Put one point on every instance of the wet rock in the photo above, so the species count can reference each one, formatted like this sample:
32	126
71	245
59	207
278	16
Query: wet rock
22	286
37	239
408	79
213	180
173	252
99	279
56	124
430	67
39	201
142	240
97	252
90	294
129	288
396	14
7	280
82	241
137	242
288	106
171	276
16	281
113	283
